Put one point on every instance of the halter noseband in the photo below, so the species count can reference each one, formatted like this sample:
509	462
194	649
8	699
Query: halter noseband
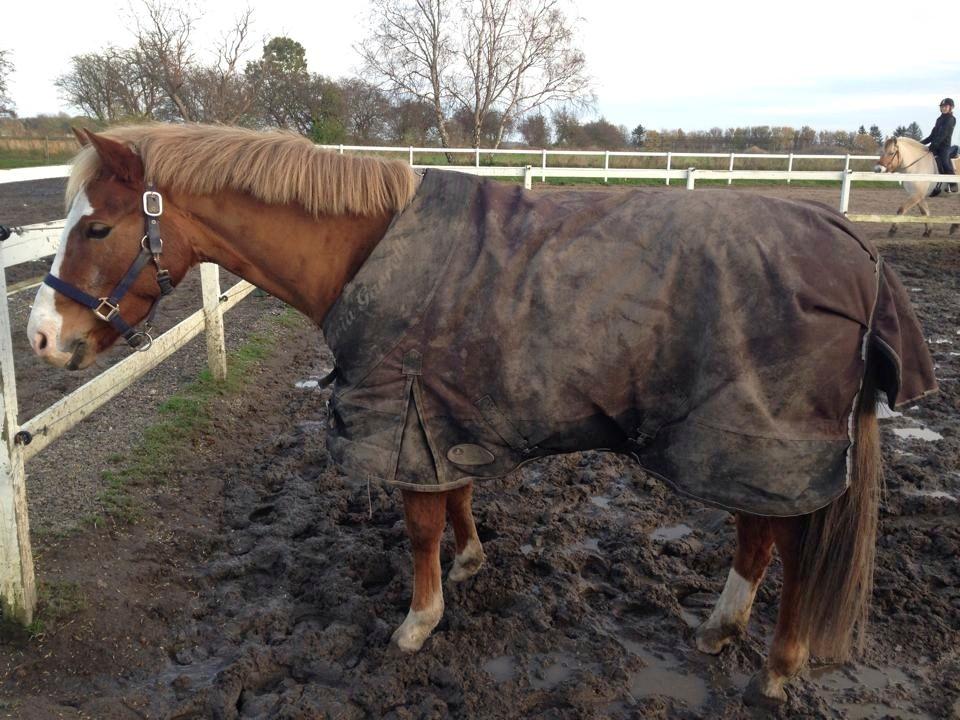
108	308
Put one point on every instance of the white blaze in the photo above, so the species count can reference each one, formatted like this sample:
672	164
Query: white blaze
44	316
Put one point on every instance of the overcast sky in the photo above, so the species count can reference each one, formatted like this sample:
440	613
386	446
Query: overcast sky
828	64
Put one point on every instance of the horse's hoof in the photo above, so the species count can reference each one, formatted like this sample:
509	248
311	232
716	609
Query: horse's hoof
928	233
415	630
892	231
467	563
764	690
712	640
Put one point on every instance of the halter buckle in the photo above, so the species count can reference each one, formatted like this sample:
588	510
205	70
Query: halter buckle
152	203
113	309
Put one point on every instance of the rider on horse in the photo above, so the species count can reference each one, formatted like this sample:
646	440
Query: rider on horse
939	140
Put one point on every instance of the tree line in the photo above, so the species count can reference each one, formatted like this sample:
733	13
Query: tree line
448	73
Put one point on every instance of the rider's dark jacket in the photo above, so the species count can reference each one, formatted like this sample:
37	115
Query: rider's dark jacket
942	133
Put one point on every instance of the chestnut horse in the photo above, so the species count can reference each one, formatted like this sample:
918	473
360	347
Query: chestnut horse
906	155
299	222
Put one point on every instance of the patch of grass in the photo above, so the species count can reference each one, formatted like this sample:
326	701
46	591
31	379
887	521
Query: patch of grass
10	159
57	602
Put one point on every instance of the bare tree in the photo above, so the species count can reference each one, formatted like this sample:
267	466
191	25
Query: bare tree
366	109
110	87
221	92
544	66
511	58
164	52
410	52
7	108
518	57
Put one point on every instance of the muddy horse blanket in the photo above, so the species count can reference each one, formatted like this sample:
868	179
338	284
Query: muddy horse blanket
717	337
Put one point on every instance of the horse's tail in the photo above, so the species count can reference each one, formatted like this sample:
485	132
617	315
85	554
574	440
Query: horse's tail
838	546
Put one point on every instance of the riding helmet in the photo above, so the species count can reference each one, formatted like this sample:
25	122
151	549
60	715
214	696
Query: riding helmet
948	101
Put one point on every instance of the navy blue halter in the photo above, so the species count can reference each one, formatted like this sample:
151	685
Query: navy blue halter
108	308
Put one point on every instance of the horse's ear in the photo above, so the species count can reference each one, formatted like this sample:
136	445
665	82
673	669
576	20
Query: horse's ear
118	158
80	136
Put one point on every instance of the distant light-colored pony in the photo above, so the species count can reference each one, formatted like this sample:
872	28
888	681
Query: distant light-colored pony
909	156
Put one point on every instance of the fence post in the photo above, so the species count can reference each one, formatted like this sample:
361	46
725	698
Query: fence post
18	593
730	179
846	164
543	175
411	154
845	192
528	177
213	319
341	149
606	166
477	160
46	149
690	180
669	158
789	167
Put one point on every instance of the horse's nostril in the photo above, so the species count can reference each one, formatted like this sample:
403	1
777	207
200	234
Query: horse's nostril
40	341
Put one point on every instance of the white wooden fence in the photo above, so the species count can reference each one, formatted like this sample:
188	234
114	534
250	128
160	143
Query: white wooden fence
17	589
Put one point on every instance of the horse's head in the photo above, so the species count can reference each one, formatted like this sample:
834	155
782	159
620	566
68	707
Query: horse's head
890	158
105	246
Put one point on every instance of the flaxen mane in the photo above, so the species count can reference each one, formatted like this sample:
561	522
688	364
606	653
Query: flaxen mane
274	167
906	141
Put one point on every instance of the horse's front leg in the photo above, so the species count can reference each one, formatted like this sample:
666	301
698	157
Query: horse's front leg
425	515
729	617
903	210
469	557
789	650
925	211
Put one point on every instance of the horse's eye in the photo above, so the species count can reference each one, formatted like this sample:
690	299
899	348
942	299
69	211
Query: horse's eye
98	231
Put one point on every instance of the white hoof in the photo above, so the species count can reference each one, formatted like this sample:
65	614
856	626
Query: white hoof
712	640
467	563
415	630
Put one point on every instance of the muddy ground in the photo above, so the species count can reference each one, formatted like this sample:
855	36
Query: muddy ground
259	584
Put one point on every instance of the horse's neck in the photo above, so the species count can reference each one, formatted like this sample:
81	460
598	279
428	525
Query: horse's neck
916	158
301	260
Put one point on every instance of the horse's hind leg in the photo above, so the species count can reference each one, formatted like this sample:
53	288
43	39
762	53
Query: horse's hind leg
469	557
789	650
729	617
425	520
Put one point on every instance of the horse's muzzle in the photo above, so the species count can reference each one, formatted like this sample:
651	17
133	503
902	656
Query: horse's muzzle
879	168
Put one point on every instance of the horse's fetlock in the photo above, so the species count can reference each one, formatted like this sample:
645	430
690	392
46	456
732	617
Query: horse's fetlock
468	562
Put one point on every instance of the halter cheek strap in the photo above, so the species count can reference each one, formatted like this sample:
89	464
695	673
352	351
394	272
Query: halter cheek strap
108	308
